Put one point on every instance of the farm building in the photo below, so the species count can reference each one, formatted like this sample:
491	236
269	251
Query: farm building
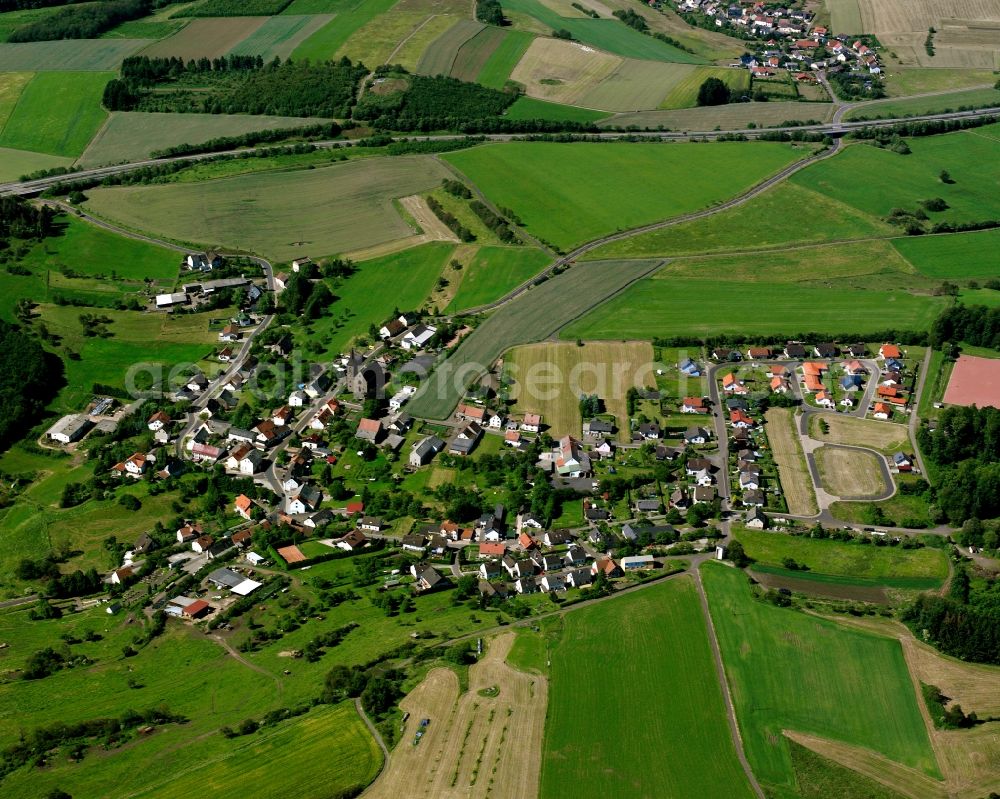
170	300
636	562
69	429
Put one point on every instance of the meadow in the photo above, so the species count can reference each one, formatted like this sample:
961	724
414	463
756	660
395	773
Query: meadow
706	307
789	671
850	473
362	298
15	163
11	86
882	436
925	568
412	49
496	71
919	81
280	35
68	55
916	106
439	57
531	108
904	181
57	113
654	637
757	224
796	484
549	378
474	53
955	256
133	135
350	17
607	34
685	93
531	317
206	37
493	272
282	215
541	180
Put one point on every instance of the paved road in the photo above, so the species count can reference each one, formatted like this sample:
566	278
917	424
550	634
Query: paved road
918	393
836	128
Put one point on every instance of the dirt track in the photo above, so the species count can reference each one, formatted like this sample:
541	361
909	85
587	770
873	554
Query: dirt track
474	746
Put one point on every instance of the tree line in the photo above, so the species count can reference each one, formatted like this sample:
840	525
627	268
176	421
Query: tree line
82	22
973	324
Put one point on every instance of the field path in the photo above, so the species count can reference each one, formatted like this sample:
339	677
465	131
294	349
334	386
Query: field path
375	733
915	417
249	664
720	672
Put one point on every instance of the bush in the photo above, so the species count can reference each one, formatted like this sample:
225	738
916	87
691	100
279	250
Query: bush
713	91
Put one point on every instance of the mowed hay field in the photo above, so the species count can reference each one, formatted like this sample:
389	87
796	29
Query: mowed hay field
15	163
726	117
496	71
613	186
916	106
279	36
350	16
789	671
439	56
530	108
134	135
850	473
493	272
903	181
57	113
531	317
953	257
473	54
886	437
281	215
845	16
68	55
917	568
11	86
796	484
549	379
206	37
661	690
475	745
705	306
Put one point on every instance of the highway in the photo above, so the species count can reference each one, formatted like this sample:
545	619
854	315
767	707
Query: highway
834	129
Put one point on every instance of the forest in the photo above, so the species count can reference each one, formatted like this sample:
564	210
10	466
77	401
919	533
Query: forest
27	382
235	85
85	21
964	624
438	103
973	324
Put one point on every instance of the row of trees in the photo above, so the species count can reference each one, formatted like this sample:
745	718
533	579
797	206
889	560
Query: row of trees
977	325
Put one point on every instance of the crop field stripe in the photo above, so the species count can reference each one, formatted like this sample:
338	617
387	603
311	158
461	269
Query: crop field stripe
797	672
533	108
493	272
11	86
439	57
279	36
331	37
58	113
792	471
684	94
635	85
474	53
496	71
533	316
206	37
953	256
412	49
67	55
655	637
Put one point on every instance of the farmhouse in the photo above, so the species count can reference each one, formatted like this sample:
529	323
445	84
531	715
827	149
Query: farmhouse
369	430
531	423
693	405
352	541
244	506
425	450
465	439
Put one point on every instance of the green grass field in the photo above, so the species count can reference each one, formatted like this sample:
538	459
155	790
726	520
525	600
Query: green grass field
133	135
818	777
493	272
903	181
607	34
15	163
363	299
757	224
68	55
953	257
655	637
533	316
280	35
693	306
474	53
797	672
726	117
925	568
685	93
351	16
58	113
496	71
336	209
531	108
612	186
916	106
11	86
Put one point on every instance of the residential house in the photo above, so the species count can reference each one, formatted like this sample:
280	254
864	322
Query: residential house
679	499
401	397
825	400
492	549
157	421
689	368
693	405
354	540
430	579
733	385
598	427
902	462
205	452
369	430
465	439
794	350
532	423
525	585
242	538
755	519
122	575
606	566
887	351
696	435
758	353
230	333
202	544
579	578
134	466
424	450
555	538
298	399
252	462
471	413
414	543
637	562
245	506
850	382
517	568
490	570
305	500
545	563
267	433
391	329
740	419
754	498
282	416
649	431
704	494
749	480
825	351
143	544
571	460
554	582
